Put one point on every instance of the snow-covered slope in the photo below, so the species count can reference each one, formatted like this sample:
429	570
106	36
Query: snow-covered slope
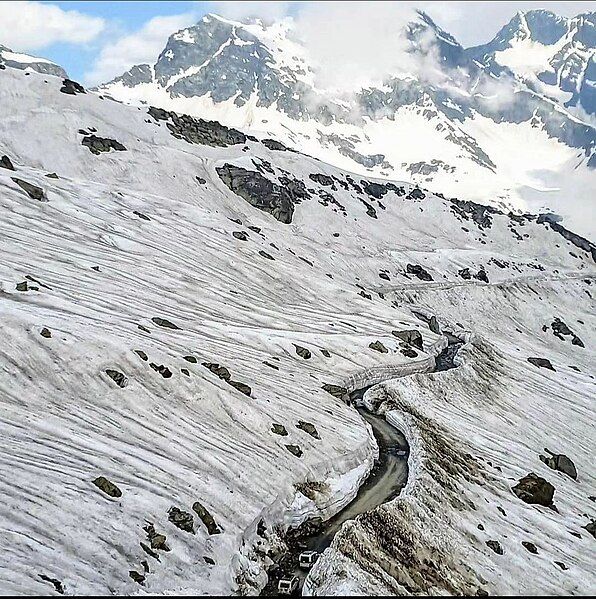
140	250
554	55
449	121
18	60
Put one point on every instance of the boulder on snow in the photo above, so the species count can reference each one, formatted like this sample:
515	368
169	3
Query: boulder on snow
120	379
541	363
302	352
97	145
309	428
534	489
378	346
335	390
183	520
108	487
6	163
559	462
411	336
295	450
166	324
206	518
279	429
419	271
72	88
34	192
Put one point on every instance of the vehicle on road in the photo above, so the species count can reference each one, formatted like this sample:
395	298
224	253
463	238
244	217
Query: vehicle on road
288	585
307	559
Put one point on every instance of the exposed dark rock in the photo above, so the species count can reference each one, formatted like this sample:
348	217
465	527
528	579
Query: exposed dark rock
183	520
416	194
6	163
141	354
385	276
335	390
419	271
378	346
149	551
24	286
221	371
534	489
138	578
279	429
562	565
495	546
185	371
198	131
374	190
58	586
295	450
270	365
272	144
242	387
321	179
46	333
166	324
206	517
157	541
559	462
591	528
302	352
72	87
120	379
326	353
34	192
266	255
201	180
241	235
108	487
97	145
141	215
409	352
209	560
541	363
163	370
561	330
433	325
309	428
530	547
481	215
411	336
259	191
190	359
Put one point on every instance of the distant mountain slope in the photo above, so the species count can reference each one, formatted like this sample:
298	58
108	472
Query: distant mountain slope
468	128
554	55
18	60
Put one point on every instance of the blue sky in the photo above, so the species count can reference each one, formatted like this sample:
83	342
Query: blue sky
96	41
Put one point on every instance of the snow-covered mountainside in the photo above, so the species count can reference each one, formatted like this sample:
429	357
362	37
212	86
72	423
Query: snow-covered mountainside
455	122
18	60
183	307
554	55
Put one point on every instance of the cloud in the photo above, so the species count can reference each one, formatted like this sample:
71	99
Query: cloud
268	11
141	46
27	26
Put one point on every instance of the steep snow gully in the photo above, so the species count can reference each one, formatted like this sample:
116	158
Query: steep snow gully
389	473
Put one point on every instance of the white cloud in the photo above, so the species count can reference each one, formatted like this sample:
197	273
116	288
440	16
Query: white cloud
26	26
142	46
242	10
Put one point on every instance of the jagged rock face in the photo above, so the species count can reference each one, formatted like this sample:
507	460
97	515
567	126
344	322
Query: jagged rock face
534	489
258	191
569	66
237	62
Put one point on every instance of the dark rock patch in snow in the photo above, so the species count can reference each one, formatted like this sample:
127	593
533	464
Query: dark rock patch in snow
302	352
34	192
378	346
97	145
6	163
198	131
309	428
419	271
120	379
559	462
259	191
542	363
534	489
183	520
206	518
295	450
58	586
72	87
108	487
166	324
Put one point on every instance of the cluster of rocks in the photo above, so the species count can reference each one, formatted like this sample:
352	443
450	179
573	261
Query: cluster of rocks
198	131
259	191
224	374
561	330
418	271
72	87
97	145
481	275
